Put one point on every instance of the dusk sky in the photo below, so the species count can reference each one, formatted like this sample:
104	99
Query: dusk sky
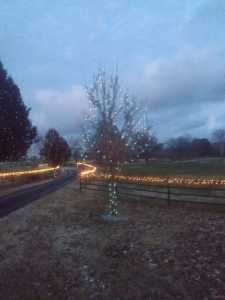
171	53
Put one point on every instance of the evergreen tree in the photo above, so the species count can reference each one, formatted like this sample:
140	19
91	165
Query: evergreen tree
16	131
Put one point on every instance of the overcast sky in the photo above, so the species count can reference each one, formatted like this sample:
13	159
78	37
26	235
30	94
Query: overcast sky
170	53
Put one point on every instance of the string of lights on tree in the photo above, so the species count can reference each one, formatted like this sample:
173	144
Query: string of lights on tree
113	199
109	124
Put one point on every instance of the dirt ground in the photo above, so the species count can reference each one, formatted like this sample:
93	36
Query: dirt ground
60	248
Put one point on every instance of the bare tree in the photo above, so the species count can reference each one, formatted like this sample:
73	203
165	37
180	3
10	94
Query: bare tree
114	115
145	145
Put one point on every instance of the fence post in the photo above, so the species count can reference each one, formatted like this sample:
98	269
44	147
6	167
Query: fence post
80	184
116	189
169	196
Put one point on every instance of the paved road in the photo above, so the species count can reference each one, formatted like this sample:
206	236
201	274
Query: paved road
23	197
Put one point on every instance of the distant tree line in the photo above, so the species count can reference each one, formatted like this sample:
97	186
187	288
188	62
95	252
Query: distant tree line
143	145
184	147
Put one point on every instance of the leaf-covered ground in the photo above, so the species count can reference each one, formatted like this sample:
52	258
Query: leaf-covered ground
60	248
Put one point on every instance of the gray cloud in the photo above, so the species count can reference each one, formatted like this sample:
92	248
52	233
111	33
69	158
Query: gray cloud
192	76
184	88
185	93
60	109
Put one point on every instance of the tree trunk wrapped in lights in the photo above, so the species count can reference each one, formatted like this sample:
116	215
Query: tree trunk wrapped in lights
113	199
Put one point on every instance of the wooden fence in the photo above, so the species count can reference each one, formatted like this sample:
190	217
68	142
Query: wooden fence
167	193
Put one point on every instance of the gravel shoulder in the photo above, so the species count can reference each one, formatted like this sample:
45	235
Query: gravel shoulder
60	248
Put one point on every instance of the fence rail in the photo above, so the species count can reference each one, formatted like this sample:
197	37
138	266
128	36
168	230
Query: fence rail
167	193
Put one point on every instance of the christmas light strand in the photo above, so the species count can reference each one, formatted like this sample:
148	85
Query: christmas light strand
181	181
28	172
91	169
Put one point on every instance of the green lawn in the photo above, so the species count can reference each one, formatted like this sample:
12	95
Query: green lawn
197	167
15	166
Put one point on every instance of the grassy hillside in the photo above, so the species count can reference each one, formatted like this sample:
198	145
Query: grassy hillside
198	167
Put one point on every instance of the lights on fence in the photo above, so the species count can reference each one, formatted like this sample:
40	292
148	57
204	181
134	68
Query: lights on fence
180	181
28	172
91	172
91	169
157	180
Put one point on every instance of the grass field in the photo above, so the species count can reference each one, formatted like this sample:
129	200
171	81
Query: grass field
209	167
16	166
